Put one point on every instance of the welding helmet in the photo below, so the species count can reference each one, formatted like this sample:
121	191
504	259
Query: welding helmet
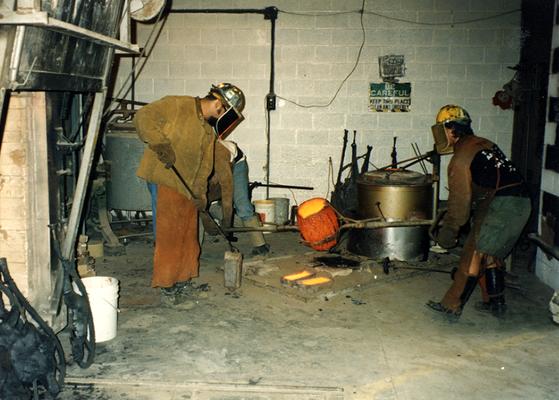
448	114
233	100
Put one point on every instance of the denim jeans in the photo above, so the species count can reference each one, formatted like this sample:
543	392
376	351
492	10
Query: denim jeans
241	198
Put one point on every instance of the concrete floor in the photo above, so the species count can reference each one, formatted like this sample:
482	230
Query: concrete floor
366	336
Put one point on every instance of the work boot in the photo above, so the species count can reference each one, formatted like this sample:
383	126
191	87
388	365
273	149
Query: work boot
190	291
260	247
168	296
171	296
261	250
454	315
495	279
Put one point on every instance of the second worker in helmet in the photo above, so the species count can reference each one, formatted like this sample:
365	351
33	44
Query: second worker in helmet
486	187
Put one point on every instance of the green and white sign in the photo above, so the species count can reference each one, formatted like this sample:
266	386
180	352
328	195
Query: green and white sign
389	97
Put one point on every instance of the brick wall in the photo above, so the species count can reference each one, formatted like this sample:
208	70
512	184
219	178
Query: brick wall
460	63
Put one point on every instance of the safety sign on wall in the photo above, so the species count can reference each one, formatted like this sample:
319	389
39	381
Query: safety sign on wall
389	97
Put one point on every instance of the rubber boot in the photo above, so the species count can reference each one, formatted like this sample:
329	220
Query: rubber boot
495	279
259	245
483	305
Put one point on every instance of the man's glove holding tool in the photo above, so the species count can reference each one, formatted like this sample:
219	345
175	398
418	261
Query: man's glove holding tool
165	153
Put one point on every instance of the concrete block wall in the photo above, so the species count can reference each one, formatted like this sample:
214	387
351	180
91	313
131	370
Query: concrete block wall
547	269
14	196
455	52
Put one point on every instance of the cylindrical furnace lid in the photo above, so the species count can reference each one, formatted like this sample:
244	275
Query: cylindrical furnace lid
395	177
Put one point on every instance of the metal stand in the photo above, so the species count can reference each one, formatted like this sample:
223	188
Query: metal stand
27	44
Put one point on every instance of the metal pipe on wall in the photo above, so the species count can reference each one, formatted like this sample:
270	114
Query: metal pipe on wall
270	13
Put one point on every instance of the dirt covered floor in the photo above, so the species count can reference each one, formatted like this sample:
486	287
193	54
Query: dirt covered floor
366	335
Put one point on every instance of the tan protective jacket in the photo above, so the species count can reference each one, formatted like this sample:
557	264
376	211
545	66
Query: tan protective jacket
177	120
463	193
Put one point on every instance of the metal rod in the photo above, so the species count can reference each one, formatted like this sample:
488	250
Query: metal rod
418	156
422	160
365	224
403	161
268	151
417	152
16	57
436	162
254	185
385	224
217	11
130	221
83	177
41	19
265	228
132	235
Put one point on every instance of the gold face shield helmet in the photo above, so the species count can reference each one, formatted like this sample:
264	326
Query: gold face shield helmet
448	113
233	99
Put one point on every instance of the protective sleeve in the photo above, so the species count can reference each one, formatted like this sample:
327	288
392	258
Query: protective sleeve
151	121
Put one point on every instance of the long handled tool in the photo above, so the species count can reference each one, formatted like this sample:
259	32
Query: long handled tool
233	259
339	180
218	227
387	265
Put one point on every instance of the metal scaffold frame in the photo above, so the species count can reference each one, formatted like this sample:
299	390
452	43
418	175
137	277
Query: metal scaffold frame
16	18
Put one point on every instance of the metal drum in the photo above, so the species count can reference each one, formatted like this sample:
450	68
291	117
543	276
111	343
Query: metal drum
123	151
393	195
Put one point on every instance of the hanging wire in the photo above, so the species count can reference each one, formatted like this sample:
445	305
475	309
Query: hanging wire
408	21
362	11
347	76
469	21
330	176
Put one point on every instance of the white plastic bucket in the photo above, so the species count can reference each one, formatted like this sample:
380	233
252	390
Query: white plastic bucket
103	301
266	210
281	210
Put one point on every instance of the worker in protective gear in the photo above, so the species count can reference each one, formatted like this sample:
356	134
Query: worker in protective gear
485	186
234	98
180	132
230	184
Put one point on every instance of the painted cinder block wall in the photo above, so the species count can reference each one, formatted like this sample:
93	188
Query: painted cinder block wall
447	61
547	269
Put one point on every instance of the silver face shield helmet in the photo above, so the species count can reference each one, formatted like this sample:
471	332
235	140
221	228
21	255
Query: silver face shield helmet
234	101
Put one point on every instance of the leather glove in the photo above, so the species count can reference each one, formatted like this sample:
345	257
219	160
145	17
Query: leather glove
165	153
200	204
446	237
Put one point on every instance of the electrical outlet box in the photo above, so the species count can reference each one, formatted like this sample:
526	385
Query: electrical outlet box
271	101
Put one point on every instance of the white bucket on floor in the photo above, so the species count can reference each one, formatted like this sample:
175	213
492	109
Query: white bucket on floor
281	210
103	301
266	210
